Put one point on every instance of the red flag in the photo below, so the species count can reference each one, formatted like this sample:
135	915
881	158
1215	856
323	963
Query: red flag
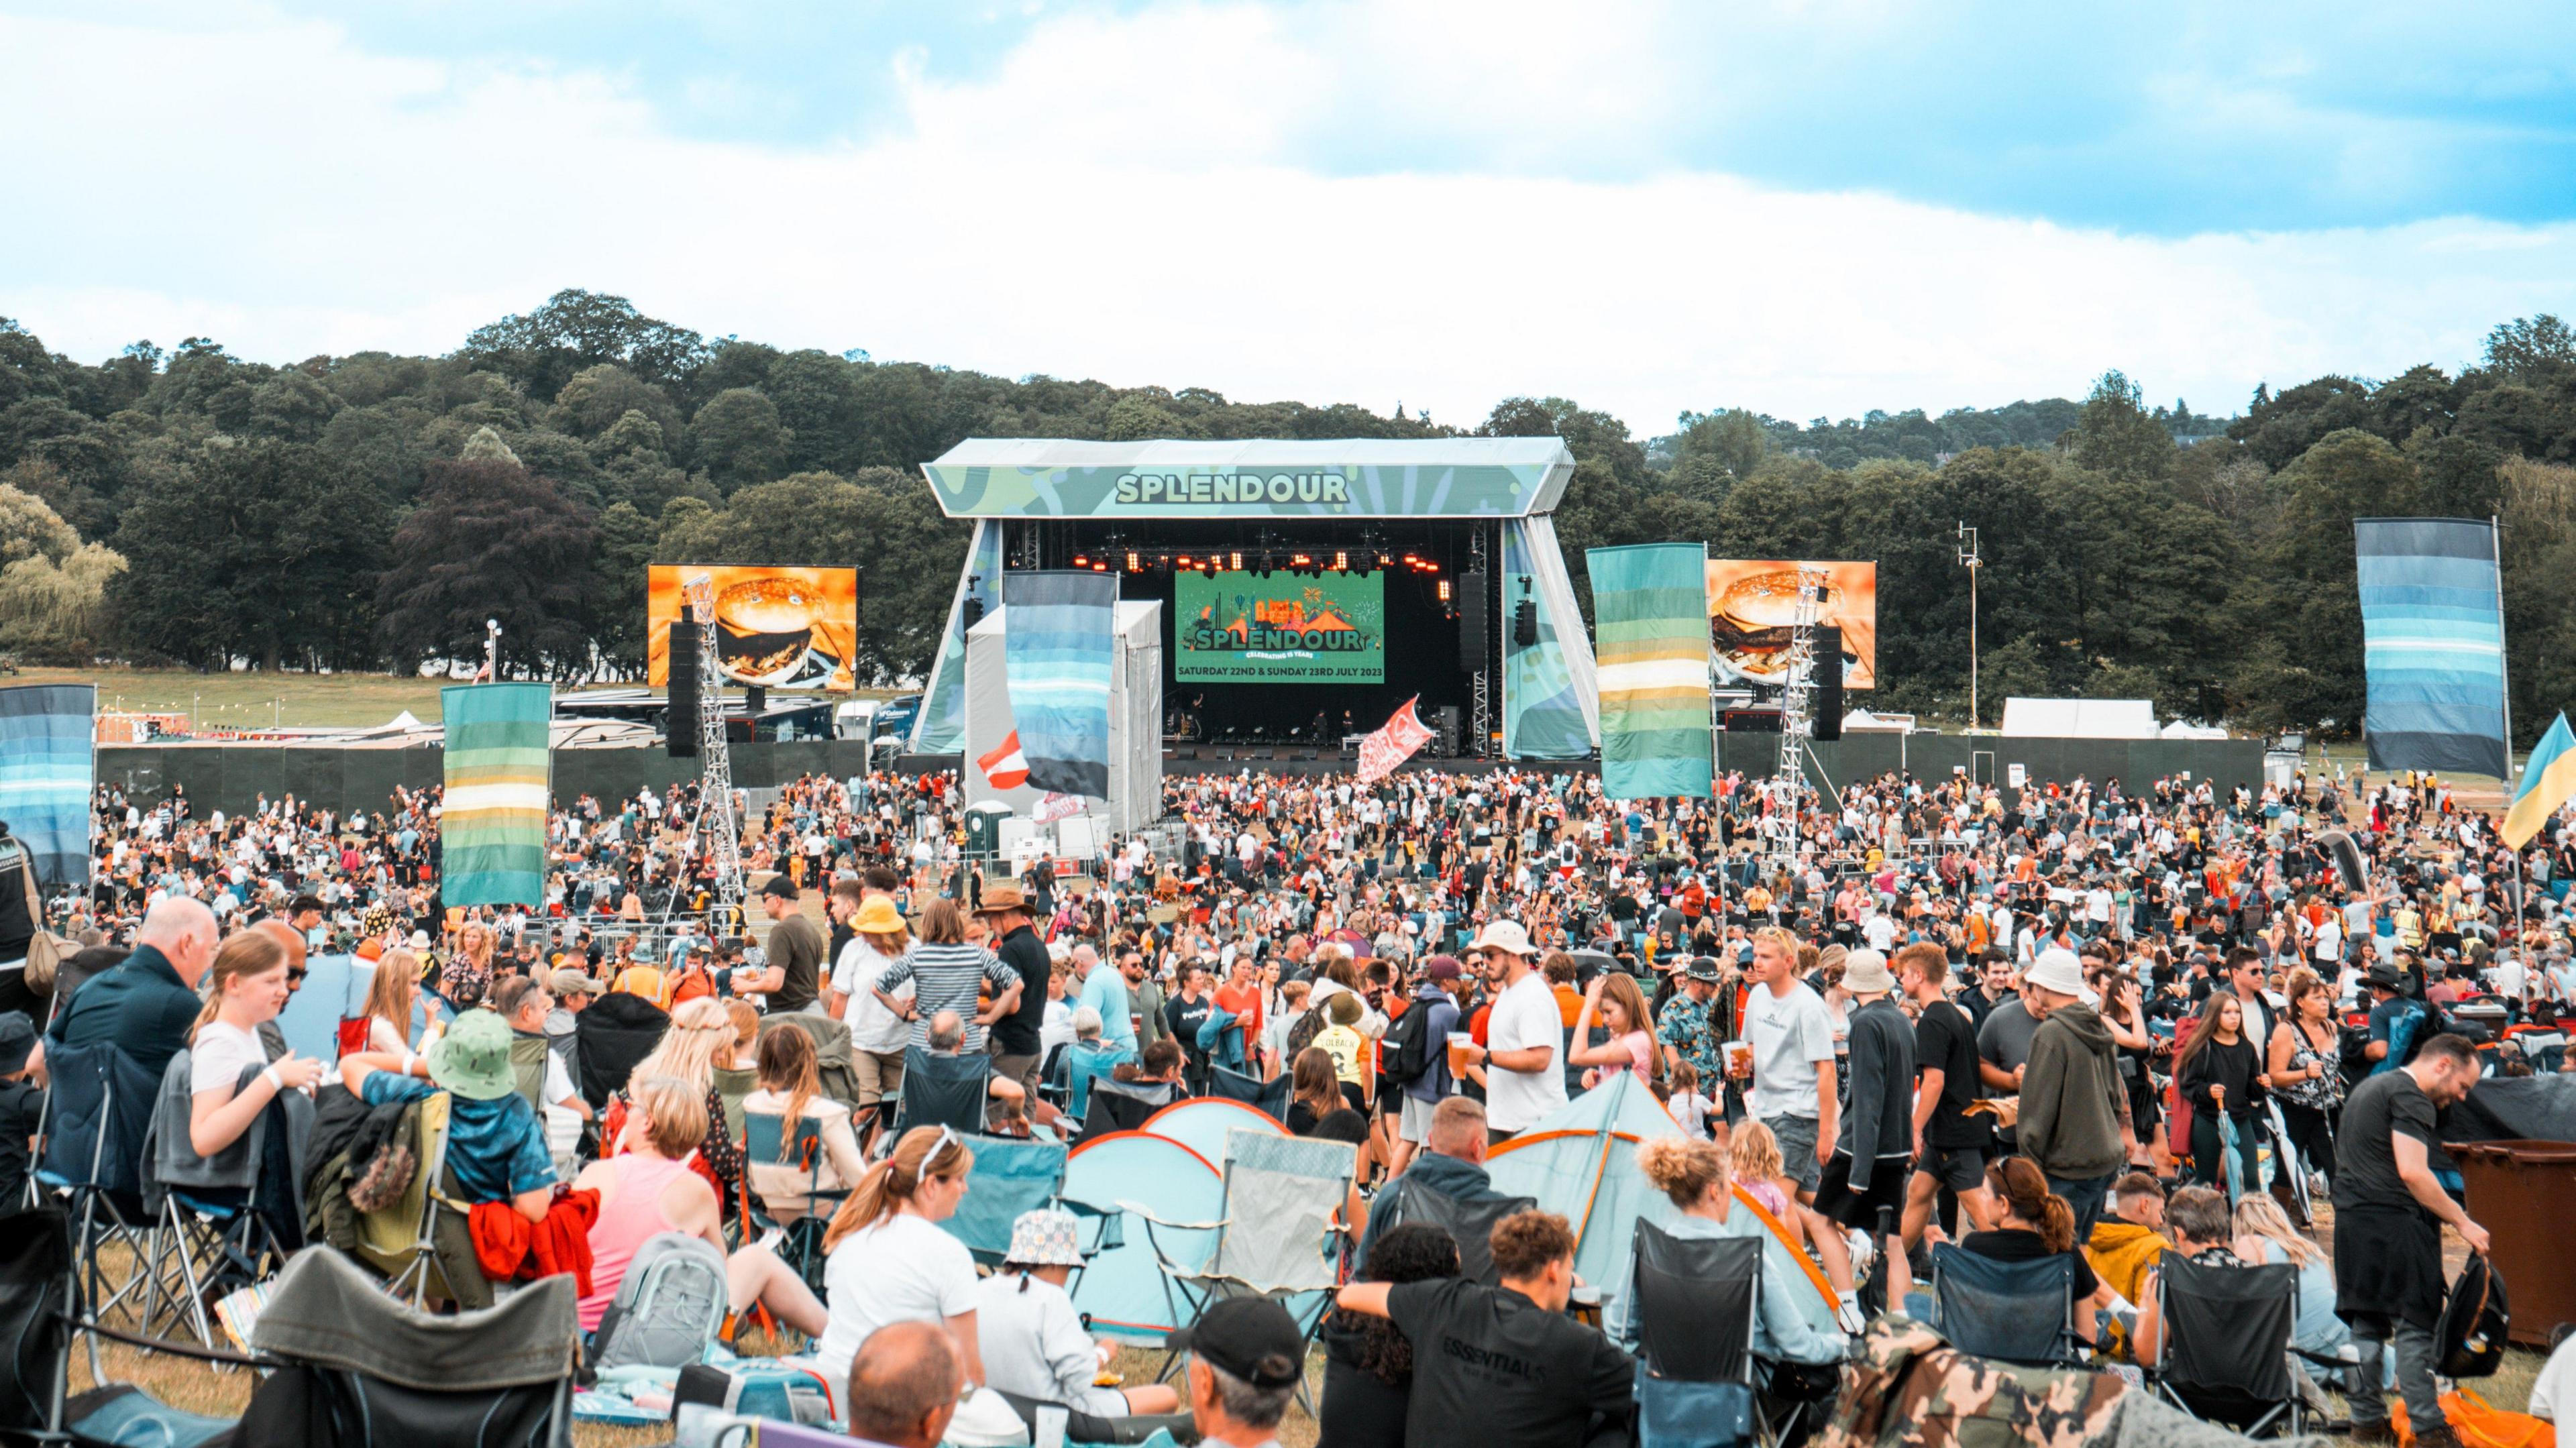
1005	767
1395	742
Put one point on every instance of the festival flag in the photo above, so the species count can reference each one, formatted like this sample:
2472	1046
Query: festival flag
47	770
1053	807
1650	611
1394	742
1004	766
492	822
2432	644
2548	782
1059	647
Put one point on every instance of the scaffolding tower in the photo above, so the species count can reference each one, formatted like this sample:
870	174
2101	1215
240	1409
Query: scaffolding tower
1797	721
715	827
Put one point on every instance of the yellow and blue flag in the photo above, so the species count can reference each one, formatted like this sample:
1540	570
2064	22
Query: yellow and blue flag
2548	782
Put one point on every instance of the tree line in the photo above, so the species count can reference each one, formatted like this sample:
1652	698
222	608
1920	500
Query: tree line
371	511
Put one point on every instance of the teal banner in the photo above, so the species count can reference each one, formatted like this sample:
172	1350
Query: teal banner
1361	478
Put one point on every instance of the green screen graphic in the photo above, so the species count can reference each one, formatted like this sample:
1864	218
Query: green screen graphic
1282	629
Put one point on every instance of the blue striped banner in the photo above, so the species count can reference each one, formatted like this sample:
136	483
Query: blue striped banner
47	771
1059	635
2432	644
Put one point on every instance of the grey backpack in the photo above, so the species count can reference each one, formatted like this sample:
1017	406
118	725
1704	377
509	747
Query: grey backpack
669	1307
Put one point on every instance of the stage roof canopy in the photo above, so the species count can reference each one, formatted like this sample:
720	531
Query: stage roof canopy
1449	477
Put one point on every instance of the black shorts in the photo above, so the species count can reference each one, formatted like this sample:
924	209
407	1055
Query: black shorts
1836	1199
1960	1168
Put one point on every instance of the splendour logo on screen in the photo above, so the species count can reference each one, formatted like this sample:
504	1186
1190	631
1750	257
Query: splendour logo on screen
1283	629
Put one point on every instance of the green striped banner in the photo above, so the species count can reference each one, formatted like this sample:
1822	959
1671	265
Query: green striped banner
492	825
1650	624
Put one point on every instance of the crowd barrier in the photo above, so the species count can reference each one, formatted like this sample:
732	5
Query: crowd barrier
234	777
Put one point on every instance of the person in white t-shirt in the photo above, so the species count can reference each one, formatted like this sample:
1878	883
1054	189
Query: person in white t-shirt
245	987
887	1259
1524	1035
1031	1337
879	1031
1792	1036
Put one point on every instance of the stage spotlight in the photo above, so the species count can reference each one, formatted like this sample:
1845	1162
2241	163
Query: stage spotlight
1185	560
1234	561
1444	590
1082	560
1341	562
1135	561
1100	568
1409	558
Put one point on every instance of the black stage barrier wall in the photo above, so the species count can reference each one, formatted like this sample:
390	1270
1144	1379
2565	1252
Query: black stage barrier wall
233	777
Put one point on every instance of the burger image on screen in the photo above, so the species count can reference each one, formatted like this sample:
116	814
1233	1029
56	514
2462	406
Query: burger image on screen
1755	619
765	628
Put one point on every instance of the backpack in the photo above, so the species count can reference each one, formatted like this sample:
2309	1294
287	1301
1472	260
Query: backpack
668	1308
1303	1033
1404	1054
2472	1331
759	1388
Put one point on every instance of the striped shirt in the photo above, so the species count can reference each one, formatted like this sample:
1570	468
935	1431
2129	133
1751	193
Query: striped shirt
944	978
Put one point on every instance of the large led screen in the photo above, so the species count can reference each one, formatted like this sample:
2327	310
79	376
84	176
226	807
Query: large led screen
1285	628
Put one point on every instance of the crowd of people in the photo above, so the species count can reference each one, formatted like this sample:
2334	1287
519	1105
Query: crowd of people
1958	1008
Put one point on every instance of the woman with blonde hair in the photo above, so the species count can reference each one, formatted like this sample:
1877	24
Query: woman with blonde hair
887	1259
1694	1176
390	998
700	1036
467	976
2264	1237
647	1189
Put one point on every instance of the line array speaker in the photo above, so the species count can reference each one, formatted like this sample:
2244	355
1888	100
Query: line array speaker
1475	619
1829	683
680	722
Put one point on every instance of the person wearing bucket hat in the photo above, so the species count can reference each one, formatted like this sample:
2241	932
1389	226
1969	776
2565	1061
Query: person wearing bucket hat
494	1140
2074	1106
1030	1334
1875	1150
1524	1079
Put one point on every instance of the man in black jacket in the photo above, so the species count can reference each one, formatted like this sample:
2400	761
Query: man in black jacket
1875	1152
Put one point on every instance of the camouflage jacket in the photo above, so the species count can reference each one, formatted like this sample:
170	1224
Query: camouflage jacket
1907	1388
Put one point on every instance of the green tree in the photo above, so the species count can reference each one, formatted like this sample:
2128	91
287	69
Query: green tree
490	540
2115	435
740	439
541	351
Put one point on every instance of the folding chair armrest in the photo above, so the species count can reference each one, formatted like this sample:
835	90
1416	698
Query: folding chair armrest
1216	1226
2346	1356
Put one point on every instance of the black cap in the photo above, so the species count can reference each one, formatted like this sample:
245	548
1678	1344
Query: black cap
780	887
1252	1338
2386	976
17	1042
1703	967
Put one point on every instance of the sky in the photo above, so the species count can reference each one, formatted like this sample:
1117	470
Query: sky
1803	207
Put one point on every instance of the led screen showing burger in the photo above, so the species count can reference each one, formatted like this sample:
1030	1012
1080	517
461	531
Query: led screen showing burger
776	628
1751	606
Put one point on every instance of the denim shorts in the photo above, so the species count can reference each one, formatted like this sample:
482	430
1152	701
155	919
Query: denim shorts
1798	1162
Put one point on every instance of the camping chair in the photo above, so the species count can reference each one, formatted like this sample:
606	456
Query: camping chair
39	1313
210	1234
945	1091
362	1370
2014	1312
1268	1097
98	1111
1288	1192
764	1133
400	1241
1011	1176
1117	1106
1693	1306
1470	1225
2225	1352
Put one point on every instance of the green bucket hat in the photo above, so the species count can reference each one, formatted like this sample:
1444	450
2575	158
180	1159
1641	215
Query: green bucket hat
473	1059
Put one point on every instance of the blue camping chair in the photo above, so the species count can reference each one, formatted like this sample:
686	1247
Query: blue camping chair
1011	1176
98	1112
945	1091
2014	1312
1693	1308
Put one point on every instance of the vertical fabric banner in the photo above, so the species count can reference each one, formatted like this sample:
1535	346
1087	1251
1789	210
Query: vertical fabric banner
2432	644
492	824
1059	649
1650	614
47	771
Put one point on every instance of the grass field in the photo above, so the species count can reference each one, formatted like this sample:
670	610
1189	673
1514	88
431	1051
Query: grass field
251	700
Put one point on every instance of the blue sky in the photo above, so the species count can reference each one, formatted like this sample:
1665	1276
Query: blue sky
1802	206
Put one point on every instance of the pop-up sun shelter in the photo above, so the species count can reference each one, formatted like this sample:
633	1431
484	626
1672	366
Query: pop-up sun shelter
1122	1287
1582	1164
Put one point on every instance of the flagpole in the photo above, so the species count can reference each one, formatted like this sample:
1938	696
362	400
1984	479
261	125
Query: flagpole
2504	670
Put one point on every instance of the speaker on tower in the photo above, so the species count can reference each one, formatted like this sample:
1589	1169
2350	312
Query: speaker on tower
1829	683
1525	623
1475	619
680	721
1445	724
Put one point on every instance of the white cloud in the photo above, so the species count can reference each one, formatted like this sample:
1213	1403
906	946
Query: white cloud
1120	200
